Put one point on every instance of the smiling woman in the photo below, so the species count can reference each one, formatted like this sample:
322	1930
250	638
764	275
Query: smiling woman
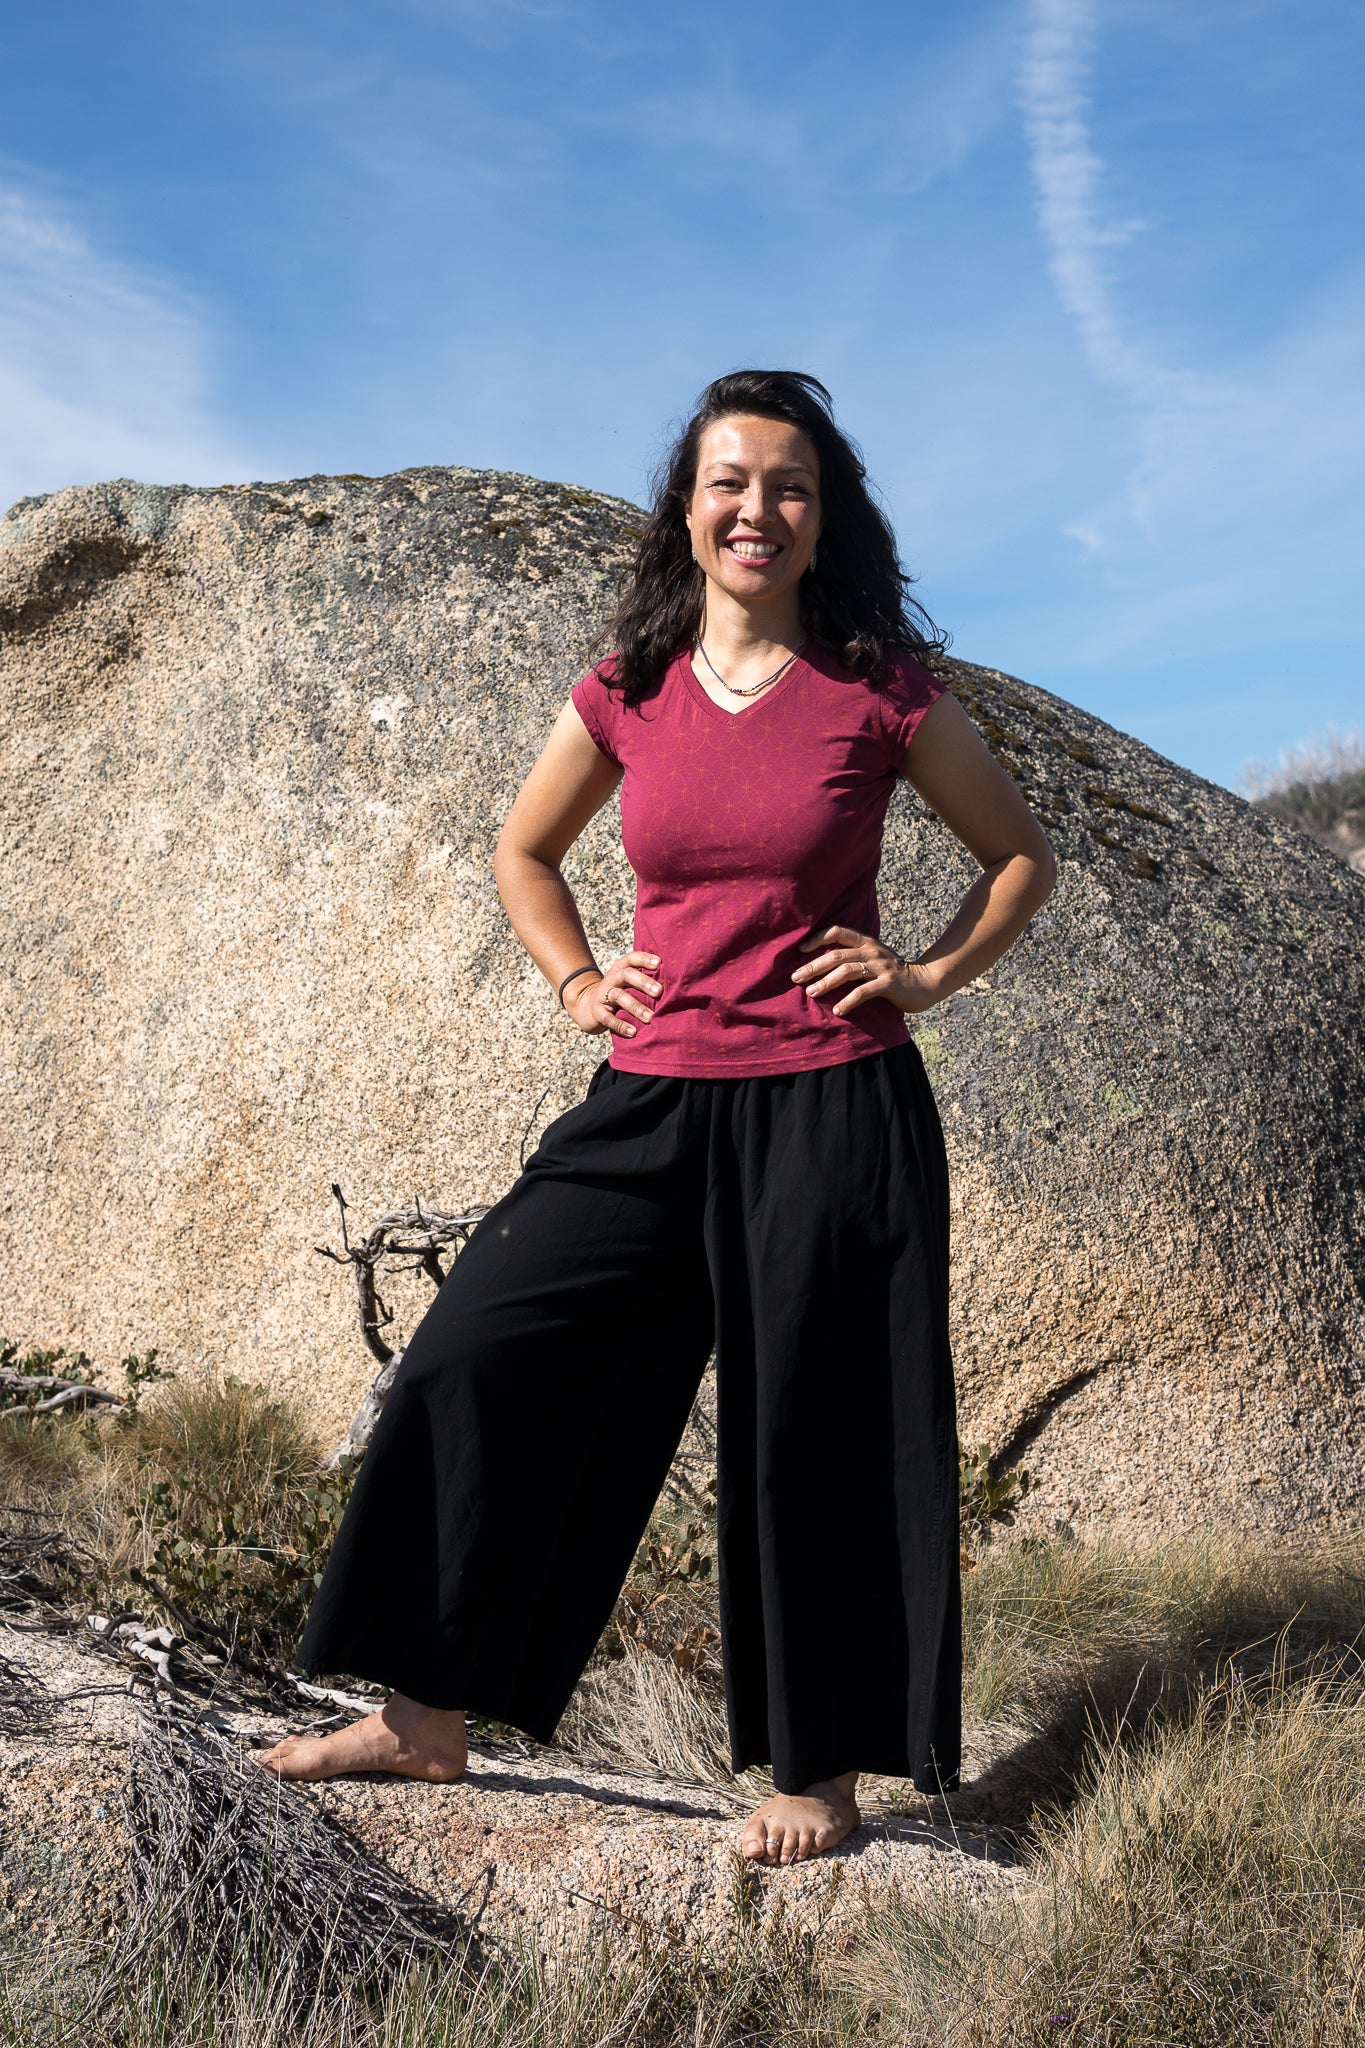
775	476
758	1165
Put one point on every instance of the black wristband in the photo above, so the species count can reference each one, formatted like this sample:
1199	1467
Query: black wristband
591	968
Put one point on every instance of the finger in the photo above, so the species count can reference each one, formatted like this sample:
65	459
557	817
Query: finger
813	968
834	934
641	959
857	995
639	980
618	995
847	970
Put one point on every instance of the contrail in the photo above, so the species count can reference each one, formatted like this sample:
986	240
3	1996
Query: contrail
1054	93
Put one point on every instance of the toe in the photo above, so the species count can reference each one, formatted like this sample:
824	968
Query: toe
755	1841
805	1843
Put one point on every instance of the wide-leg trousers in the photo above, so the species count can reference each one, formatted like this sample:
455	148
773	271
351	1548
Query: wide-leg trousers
798	1222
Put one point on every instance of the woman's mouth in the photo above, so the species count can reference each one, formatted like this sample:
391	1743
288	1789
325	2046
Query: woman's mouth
754	550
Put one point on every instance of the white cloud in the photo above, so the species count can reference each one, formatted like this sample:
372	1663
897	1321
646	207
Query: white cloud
104	368
1241	490
1068	173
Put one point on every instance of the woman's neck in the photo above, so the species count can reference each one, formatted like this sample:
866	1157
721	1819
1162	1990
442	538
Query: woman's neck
741	635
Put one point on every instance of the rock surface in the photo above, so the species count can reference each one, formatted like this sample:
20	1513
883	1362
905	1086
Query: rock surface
257	745
525	1848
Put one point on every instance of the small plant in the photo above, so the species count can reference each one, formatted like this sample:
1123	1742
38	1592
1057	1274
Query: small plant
654	1610
987	1498
38	1363
139	1370
248	1569
682	1559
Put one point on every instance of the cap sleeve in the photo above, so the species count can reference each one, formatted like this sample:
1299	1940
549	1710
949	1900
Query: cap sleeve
906	691
600	710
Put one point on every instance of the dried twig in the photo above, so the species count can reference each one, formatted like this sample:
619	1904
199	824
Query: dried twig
22	1386
232	1865
415	1234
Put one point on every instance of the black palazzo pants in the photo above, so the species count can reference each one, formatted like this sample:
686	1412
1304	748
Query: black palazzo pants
800	1223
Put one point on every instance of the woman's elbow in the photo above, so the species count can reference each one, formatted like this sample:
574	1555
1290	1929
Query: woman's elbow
1043	869
1046	863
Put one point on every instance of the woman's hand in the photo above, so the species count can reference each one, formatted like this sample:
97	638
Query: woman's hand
595	1006
864	968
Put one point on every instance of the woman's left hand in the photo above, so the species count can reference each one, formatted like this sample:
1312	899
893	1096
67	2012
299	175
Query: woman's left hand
863	967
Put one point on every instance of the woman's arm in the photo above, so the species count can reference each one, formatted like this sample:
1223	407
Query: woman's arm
568	784
957	775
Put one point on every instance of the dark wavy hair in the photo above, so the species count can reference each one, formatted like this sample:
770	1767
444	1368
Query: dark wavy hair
856	600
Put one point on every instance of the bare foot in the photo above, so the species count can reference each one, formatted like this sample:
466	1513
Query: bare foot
411	1740
800	1824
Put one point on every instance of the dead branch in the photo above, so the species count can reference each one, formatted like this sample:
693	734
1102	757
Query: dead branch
415	1234
356	1440
229	1864
22	1386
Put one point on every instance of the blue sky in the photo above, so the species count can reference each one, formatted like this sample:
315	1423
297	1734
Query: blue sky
1086	279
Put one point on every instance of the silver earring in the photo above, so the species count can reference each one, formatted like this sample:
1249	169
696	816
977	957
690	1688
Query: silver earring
811	563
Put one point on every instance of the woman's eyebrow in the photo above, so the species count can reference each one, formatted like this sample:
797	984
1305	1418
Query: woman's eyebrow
714	469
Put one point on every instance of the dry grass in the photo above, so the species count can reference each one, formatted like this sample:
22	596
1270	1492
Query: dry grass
1205	1888
197	1485
641	1712
1186	1786
225	1442
39	1454
599	1990
1073	1641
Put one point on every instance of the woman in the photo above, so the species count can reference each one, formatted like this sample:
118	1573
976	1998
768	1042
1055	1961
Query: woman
757	1164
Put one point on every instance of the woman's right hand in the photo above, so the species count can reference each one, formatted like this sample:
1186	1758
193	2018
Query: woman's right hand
596	1005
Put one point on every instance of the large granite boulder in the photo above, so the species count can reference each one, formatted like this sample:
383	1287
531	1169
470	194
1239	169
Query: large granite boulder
257	746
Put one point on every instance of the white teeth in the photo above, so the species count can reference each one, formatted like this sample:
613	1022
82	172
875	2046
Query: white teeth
753	551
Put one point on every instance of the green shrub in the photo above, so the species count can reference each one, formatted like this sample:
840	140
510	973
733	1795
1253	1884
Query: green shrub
249	1569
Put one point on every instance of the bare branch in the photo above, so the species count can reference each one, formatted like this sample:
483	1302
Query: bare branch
61	1393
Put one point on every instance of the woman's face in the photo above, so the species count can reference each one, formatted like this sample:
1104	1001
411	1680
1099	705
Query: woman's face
755	511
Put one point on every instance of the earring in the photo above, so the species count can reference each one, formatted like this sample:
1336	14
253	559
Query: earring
811	563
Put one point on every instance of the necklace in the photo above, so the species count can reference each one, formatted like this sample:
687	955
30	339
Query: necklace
751	689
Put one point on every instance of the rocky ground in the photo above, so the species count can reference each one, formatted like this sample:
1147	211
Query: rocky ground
530	1844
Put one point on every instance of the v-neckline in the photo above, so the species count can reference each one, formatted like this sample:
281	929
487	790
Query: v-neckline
708	702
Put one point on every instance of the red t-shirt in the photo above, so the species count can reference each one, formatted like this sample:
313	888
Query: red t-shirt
749	831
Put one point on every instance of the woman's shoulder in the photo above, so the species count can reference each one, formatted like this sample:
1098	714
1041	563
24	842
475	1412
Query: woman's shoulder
904	669
605	702
599	706
906	688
